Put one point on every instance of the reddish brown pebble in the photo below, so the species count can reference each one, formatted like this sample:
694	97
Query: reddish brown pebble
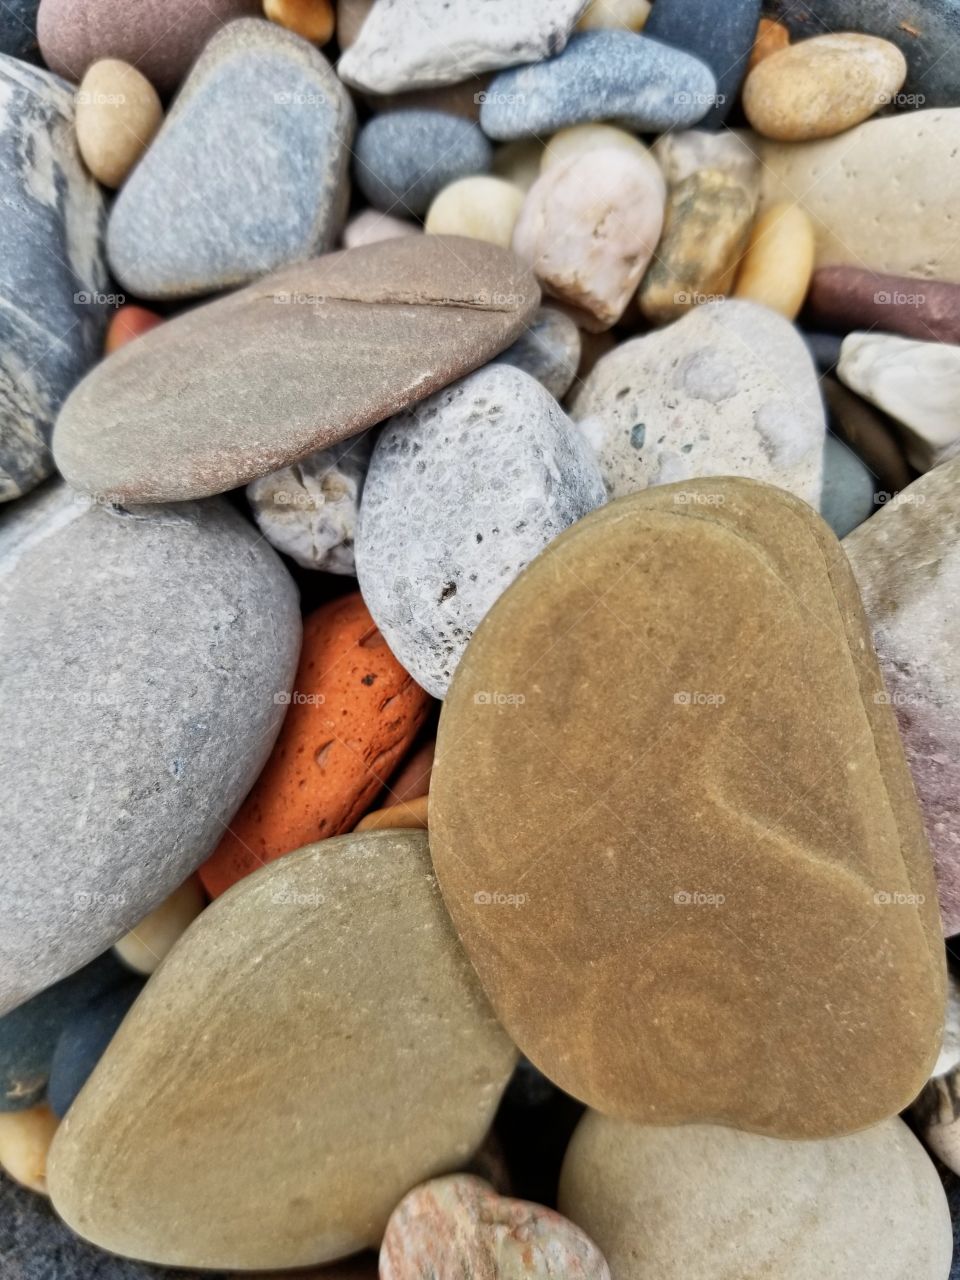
847	298
128	323
412	779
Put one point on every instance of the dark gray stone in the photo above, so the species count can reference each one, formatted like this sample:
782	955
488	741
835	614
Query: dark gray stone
146	656
84	1041
247	173
18	29
721	35
548	349
404	158
601	75
52	277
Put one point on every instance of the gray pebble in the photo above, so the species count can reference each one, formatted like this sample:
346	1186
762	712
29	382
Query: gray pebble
404	158
847	497
549	350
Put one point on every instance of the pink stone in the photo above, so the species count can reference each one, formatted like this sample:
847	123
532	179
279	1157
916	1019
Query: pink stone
458	1228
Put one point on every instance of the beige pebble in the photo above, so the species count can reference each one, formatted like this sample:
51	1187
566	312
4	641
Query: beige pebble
409	815
589	227
623	15
311	19
580	138
822	86
351	15
480	207
778	263
706	228
118	113
25	1138
370	226
145	946
519	162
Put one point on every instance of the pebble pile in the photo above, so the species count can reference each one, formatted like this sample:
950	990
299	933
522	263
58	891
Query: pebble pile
479	619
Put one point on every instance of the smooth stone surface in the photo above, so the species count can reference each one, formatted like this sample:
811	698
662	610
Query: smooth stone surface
84	1041
822	86
176	630
412	44
162	43
685	152
309	511
660	1202
916	383
847	497
778	263
618	949
412	778
263	126
567	143
589	226
459	1226
337	973
907	564
118	113
408	814
353	715
601	75
494	470
403	159
720	35
53	280
728	390
927	31
314	20
160	421
145	946
18	29
705	231
549	350
854	202
369	226
622	15
483	208
29	1033
870	434
845	298
25	1138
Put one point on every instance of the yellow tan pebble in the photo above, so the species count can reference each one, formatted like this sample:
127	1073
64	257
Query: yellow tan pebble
778	263
118	114
145	946
620	15
409	815
25	1138
312	19
480	207
567	143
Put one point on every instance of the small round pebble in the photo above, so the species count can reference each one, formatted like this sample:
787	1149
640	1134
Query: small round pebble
369	226
127	323
144	947
778	264
549	350
567	143
83	1043
25	1138
482	208
118	114
402	159
312	19
847	497
411	815
619	15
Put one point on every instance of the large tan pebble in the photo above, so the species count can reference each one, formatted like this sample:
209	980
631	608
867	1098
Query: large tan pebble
480	207
621	15
701	1202
25	1138
589	227
145	946
822	86
587	137
118	113
519	162
778	264
311	19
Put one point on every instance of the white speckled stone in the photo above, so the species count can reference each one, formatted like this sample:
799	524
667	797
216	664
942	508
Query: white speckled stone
478	479
730	389
412	44
549	350
309	510
917	383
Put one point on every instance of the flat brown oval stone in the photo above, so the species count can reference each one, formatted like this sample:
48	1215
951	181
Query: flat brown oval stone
303	358
846	298
672	820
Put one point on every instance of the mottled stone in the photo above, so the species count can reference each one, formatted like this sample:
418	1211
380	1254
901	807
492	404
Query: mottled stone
148	942
176	630
708	642
494	470
263	127
660	1203
404	158
589	226
778	262
870	434
847	497
162	43
309	511
720	35
159	421
336	1007
845	298
907	564
483	208
728	390
881	195
682	153
118	113
459	1226
916	383
601	75
52	276
369	226
18	29
549	350
412	44
84	1041
705	231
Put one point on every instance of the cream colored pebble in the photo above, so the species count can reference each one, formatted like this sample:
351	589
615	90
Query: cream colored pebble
623	15
567	143
480	207
778	263
25	1138
118	113
145	946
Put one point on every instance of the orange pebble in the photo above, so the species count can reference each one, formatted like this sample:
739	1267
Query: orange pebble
411	814
312	19
128	323
771	38
412	779
353	716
